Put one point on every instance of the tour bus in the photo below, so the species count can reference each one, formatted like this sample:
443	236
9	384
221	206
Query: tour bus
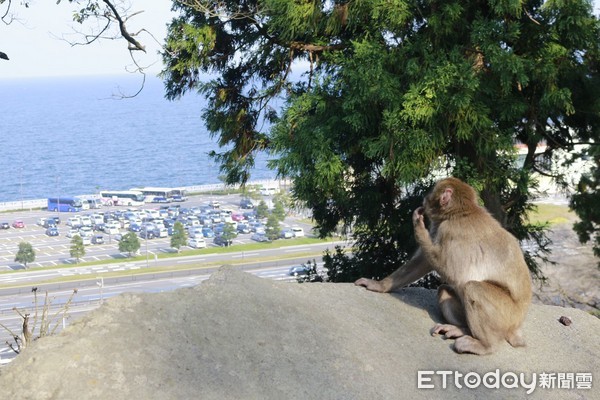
170	194
66	204
122	198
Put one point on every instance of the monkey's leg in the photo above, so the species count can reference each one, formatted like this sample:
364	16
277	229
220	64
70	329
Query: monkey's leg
451	307
490	313
453	311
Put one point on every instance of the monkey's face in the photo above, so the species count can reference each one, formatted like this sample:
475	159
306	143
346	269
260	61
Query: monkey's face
432	204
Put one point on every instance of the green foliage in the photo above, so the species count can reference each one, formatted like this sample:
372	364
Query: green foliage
272	229
25	254
179	236
77	249
396	93
278	209
229	232
130	243
586	202
262	210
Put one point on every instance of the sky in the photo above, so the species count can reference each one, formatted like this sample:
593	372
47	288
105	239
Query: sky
35	48
33	42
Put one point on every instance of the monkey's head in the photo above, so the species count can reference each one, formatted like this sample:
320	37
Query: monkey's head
449	197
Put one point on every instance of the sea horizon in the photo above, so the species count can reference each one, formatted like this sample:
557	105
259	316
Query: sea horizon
67	136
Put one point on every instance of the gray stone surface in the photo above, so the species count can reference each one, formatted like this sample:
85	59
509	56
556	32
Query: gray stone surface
237	336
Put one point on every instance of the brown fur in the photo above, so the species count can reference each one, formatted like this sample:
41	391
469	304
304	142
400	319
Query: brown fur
488	287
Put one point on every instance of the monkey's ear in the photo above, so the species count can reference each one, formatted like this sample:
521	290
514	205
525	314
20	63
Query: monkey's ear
445	197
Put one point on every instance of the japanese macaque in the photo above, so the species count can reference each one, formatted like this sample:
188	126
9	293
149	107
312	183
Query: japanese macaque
487	288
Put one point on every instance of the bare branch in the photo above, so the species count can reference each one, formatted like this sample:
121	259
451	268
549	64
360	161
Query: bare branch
134	44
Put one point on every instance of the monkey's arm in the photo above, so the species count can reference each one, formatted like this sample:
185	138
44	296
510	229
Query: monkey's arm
428	248
415	268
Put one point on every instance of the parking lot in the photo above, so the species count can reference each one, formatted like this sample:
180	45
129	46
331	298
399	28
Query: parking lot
55	250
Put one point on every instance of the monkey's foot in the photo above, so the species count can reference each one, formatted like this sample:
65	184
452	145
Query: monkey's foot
468	344
449	331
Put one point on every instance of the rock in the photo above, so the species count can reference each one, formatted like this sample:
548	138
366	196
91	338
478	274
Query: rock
237	336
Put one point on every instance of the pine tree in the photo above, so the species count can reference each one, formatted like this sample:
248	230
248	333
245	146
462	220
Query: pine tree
262	210
25	254
272	229
279	209
229	233
179	237
394	93
77	250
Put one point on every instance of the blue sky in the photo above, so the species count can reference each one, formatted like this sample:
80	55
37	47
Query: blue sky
35	50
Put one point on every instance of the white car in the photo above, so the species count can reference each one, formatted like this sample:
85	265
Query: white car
86	221
72	233
196	243
195	232
298	232
86	231
74	222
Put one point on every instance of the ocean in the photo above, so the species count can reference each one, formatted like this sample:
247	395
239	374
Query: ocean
76	135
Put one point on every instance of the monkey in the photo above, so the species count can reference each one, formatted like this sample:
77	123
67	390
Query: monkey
487	285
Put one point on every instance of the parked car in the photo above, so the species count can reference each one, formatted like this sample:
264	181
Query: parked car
18	223
161	232
219	240
97	239
215	204
195	232
86	231
52	231
208	232
147	233
286	234
86	221
135	227
243	228
259	237
74	222
160	199
298	232
4	225
72	232
196	243
246	204
50	222
237	217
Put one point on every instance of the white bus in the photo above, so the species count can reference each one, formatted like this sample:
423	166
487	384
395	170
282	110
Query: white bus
122	198
169	194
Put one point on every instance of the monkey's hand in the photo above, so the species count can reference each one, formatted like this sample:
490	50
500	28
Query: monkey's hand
370	284
418	218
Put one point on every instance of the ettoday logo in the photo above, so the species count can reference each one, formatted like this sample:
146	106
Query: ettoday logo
507	380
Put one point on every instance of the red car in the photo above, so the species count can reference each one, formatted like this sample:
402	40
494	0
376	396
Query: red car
18	224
